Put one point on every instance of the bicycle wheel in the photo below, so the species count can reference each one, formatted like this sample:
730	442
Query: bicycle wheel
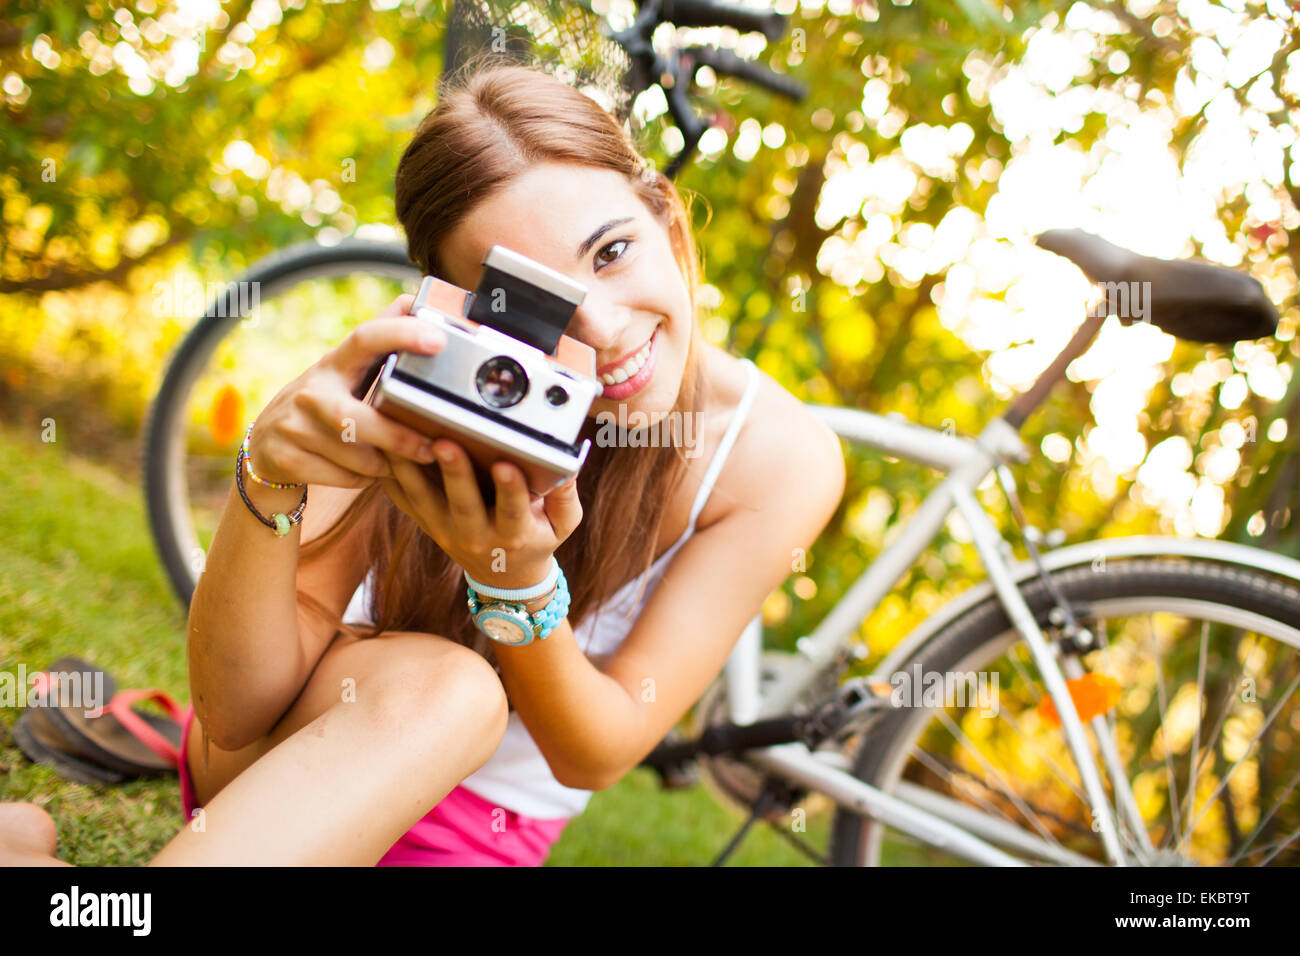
1204	660
263	331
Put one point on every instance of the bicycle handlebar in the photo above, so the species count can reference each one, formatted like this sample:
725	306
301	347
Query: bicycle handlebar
706	13
726	62
675	72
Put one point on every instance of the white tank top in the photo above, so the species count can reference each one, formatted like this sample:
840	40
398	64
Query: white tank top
517	776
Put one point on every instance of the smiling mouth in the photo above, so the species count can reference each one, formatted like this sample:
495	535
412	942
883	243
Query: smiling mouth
618	372
619	385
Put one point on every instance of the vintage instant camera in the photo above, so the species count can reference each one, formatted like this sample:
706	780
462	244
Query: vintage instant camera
509	384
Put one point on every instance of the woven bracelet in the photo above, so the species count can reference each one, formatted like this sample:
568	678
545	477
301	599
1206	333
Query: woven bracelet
248	463
279	522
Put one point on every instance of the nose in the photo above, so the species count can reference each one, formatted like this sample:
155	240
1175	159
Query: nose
598	322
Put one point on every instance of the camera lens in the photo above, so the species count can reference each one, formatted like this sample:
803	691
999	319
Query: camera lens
556	396
501	381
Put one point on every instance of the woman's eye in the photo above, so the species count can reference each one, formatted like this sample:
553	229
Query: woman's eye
616	242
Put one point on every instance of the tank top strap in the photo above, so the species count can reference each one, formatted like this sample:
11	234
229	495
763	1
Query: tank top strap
724	446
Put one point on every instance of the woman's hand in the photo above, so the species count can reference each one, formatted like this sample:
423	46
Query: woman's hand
316	431
509	547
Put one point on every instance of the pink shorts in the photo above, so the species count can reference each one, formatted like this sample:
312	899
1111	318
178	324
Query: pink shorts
462	830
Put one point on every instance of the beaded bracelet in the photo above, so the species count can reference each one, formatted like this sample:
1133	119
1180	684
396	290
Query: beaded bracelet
248	461
544	621
549	618
279	522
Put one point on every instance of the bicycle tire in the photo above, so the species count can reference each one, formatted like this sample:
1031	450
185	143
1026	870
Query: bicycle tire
166	497
981	634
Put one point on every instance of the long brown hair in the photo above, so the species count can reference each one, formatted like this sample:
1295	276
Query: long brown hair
492	122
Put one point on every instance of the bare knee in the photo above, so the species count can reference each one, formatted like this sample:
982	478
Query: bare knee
28	827
435	687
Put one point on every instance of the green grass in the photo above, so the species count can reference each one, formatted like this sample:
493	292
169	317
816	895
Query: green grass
78	575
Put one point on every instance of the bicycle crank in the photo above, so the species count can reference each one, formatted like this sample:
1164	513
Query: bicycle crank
736	782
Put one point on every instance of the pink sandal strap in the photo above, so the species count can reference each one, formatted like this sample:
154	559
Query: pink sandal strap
120	707
41	683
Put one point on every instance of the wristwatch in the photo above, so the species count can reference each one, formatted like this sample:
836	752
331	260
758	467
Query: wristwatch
510	622
505	623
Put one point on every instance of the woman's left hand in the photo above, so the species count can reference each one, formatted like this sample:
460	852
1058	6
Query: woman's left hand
511	546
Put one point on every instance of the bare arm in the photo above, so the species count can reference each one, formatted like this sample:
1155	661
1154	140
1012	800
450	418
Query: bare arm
595	719
251	646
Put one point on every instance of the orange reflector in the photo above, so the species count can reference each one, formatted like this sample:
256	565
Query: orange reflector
1093	694
227	418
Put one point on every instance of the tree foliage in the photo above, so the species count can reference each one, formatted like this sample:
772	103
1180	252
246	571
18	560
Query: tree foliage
136	141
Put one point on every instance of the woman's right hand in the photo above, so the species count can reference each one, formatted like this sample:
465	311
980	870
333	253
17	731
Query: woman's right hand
316	431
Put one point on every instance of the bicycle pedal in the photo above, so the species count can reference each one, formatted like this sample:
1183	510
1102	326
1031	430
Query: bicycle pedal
852	699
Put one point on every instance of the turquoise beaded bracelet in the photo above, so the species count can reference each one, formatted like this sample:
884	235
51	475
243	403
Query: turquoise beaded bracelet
544	621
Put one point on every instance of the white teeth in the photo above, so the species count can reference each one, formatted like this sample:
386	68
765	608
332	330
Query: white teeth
628	368
634	364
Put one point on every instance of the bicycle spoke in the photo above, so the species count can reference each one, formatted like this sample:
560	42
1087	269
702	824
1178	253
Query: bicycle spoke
1280	846
948	776
1046	758
1196	731
1124	808
1106	737
1249	749
1259	827
1032	685
1210	748
1164	718
1236	803
949	773
1131	845
1024	808
1109	717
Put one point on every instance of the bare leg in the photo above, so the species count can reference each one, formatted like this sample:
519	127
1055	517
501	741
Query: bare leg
28	836
339	781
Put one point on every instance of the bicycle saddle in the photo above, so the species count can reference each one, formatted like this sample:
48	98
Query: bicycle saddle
1191	299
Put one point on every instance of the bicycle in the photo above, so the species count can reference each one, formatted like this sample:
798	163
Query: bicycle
777	728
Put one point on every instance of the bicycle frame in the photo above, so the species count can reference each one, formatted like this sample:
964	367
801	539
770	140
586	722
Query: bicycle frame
967	463
930	817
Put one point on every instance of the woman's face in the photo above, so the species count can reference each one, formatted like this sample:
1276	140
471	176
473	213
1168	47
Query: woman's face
590	225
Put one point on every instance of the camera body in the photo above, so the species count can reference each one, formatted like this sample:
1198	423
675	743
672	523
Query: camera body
508	385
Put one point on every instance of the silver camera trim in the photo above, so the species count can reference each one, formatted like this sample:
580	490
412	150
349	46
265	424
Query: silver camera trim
455	370
439	410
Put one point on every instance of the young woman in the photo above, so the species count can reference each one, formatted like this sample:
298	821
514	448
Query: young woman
346	708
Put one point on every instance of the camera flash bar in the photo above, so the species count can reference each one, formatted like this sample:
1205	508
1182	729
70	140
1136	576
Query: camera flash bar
515	292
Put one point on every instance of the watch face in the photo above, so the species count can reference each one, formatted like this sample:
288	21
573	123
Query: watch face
504	625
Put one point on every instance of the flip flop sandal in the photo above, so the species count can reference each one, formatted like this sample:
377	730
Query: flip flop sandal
44	680
44	745
124	739
41	741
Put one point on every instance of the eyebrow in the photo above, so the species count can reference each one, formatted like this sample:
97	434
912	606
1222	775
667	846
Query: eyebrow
600	231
